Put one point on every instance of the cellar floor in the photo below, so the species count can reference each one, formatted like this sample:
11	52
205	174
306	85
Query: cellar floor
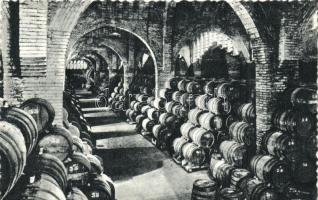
138	169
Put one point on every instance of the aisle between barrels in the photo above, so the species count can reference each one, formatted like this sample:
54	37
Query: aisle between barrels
140	170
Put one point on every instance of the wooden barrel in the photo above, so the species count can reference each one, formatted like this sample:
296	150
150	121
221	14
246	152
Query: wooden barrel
201	101
219	106
76	194
78	145
26	123
304	171
242	132
177	95
43	188
166	94
194	115
172	83
221	171
230	193
183	112
188	100
202	137
150	99
170	105
269	169
182	84
247	112
294	121
160	103
161	133
209	87
193	153
148	124
204	189
238	176
186	128
153	114
255	189
139	105
176	109
79	164
15	137
132	115
41	110
58	142
233	153
193	87
281	145
52	166
163	117
302	95
113	94
142	97
96	164
210	121
173	123
144	109
132	104
74	130
157	129
65	118
100	188
227	91
178	143
140	118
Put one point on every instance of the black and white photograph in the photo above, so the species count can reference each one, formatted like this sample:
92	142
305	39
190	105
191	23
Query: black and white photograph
158	100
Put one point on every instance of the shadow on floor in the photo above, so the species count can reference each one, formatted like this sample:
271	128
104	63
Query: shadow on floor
125	163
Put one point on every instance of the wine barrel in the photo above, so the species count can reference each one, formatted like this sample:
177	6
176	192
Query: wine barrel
178	144
144	109
177	95
132	115
65	118
294	121
96	165
43	189
209	87
193	87
52	166
166	94
186	128
112	95
219	106
148	124
173	123
74	130
161	133
172	83
247	112
238	177
269	169
157	129
100	189
182	84
255	189
41	110
76	194
242	132
176	109
201	101
304	171
58	142
204	189
139	105
26	123
79	163
194	115
302	95
230	193
150	99
153	114
227	91
202	137
281	145
210	121
221	171
170	105
142	97
132	104
163	117
140	118
78	145
233	152
160	103
193	153
188	100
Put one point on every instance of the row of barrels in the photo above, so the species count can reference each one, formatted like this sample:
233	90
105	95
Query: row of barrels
117	99
231	90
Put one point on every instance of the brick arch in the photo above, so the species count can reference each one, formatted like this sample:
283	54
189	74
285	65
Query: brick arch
129	31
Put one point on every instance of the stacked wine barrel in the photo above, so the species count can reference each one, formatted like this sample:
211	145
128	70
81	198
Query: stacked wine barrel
292	141
143	84
117	99
60	163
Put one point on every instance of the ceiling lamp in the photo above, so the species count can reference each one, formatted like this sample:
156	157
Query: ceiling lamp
114	34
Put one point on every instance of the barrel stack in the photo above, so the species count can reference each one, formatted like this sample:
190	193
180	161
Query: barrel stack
46	156
118	99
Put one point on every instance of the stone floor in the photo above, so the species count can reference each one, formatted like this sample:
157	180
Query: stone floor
139	170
